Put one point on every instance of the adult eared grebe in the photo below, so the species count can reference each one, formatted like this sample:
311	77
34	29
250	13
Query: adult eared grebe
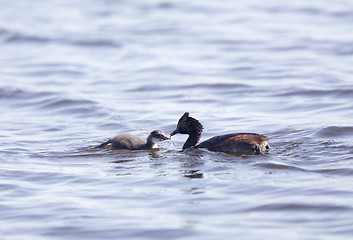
132	142
229	143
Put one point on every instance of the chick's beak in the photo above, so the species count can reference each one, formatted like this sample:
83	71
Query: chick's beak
165	138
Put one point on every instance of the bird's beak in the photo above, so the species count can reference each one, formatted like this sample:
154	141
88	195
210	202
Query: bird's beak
174	132
166	138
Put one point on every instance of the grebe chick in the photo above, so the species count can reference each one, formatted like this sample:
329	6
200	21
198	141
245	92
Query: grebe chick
132	142
229	143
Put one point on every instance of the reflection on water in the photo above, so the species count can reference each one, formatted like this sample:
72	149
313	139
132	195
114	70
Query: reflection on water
193	191
192	174
93	69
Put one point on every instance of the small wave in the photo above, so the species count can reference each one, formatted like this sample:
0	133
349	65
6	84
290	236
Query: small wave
92	42
20	98
49	102
42	69
15	38
225	86
67	106
335	131
218	85
62	102
308	10
276	166
18	37
335	171
9	93
342	93
299	207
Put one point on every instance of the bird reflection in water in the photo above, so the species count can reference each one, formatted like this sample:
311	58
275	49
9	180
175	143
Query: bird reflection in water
192	173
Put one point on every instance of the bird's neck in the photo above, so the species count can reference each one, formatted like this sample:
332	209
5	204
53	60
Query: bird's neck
192	140
150	144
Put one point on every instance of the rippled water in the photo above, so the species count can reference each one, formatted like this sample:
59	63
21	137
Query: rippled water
75	73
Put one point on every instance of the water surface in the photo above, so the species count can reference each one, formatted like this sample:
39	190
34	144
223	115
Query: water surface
75	73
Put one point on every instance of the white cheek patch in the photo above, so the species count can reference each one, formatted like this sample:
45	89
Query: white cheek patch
155	140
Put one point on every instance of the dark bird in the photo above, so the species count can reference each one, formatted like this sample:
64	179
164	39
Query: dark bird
132	142
237	143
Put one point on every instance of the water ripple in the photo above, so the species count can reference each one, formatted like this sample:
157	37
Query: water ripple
301	207
335	131
23	38
337	93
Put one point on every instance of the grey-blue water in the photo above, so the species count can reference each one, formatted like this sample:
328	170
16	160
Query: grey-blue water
75	73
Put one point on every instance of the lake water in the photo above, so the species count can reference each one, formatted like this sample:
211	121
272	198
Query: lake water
75	73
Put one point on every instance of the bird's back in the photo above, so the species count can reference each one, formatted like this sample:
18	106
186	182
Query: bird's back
127	141
236	143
